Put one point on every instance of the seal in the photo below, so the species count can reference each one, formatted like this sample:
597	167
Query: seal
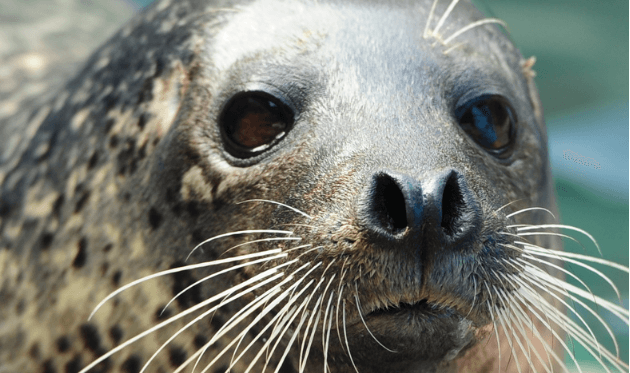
291	186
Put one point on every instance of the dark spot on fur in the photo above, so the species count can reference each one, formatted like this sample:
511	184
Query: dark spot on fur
63	344
286	367
46	240
49	367
92	161
79	260
176	355
34	351
182	280
109	101
57	206
156	141
142	121
116	334
146	92
74	365
217	321
20	307
155	218
133	364
171	199
107	248
142	152
221	369
126	160
197	237
193	209
90	336
200	340
116	278
81	201
127	196
108	125
113	141
159	315
104	268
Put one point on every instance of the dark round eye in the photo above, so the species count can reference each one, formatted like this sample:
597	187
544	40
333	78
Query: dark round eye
252	122
490	121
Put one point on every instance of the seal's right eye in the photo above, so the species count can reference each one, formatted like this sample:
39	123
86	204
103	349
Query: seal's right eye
252	122
491	122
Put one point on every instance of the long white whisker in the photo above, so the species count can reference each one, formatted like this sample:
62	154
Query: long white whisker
428	24
536	251
310	342
444	16
587	258
203	315
279	204
180	269
254	279
363	320
251	231
530	209
345	336
473	25
559	226
283	255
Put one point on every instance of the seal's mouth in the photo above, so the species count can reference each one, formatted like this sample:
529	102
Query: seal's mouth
422	306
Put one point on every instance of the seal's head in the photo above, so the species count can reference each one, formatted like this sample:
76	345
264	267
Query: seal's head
370	170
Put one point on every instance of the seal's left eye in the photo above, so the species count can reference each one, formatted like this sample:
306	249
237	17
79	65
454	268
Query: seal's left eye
490	121
253	122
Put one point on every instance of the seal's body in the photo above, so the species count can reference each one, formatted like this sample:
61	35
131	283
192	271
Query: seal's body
359	180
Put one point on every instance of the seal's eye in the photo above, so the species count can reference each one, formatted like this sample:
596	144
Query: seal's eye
252	122
490	121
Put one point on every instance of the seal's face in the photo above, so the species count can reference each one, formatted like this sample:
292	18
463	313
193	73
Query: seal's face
365	170
399	150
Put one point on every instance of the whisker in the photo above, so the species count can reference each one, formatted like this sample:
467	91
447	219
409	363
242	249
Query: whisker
182	314
473	25
537	251
558	226
283	255
279	204
425	34
261	240
326	338
444	16
310	342
180	269
537	276
547	324
356	297
345	336
203	315
237	233
577	256
530	209
287	325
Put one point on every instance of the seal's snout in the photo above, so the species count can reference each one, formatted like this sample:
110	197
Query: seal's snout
443	207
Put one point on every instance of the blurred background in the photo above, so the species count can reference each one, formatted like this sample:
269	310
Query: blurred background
581	48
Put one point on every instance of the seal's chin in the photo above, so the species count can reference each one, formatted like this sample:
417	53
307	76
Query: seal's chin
422	332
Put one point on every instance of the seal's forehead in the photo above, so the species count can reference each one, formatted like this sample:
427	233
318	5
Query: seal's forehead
267	25
397	30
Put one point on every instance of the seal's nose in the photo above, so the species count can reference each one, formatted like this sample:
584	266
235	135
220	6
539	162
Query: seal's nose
442	208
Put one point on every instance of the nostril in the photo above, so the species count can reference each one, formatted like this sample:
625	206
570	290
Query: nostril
453	205
389	207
